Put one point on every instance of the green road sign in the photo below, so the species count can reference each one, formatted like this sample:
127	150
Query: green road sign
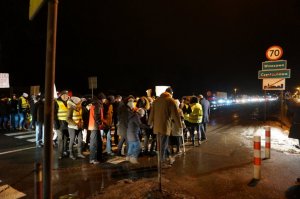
274	65
285	73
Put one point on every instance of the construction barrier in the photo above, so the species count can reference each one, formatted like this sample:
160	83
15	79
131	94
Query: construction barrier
257	157
268	142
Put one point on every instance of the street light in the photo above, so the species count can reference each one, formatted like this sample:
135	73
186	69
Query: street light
298	95
235	89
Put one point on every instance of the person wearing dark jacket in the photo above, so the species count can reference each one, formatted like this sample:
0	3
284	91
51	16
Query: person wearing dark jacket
14	112
39	124
94	125
60	123
205	119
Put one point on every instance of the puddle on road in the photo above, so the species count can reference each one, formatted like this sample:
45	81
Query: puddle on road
89	180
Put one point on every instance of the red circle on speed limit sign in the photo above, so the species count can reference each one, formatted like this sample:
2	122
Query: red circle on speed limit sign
274	53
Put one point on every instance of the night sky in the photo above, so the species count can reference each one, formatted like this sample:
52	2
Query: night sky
133	45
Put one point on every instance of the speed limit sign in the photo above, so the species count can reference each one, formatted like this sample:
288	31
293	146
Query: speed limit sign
274	53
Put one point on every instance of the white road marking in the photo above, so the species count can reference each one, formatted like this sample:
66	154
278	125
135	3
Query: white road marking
17	150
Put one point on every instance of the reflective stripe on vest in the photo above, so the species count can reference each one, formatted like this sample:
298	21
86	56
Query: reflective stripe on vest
77	116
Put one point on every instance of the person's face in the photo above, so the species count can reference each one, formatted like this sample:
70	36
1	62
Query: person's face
65	97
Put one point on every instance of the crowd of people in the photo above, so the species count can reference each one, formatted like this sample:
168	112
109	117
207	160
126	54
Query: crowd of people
134	125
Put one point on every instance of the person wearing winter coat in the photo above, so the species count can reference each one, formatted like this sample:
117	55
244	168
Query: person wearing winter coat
124	109
75	125
133	130
163	114
94	125
195	119
205	119
177	133
60	123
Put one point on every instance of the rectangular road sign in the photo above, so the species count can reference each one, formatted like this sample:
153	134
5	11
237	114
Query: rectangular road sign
274	65
273	84
284	73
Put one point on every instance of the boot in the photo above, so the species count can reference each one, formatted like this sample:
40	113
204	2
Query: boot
133	160
72	156
80	155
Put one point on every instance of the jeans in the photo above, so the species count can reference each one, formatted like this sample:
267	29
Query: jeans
133	149
22	120
62	138
72	134
108	140
3	121
121	142
192	128
203	131
39	132
95	145
164	148
14	120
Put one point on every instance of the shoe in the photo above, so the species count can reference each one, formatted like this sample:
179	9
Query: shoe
60	157
172	160
80	155
133	160
127	158
72	157
203	140
165	166
94	162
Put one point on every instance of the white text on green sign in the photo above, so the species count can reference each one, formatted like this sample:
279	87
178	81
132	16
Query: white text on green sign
274	74
274	65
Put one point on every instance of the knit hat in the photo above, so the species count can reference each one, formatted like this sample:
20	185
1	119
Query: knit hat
141	112
76	100
169	90
25	95
63	92
101	96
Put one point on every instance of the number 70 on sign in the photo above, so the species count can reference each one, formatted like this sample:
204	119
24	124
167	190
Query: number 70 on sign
274	53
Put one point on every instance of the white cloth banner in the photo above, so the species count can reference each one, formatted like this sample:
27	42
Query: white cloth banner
4	80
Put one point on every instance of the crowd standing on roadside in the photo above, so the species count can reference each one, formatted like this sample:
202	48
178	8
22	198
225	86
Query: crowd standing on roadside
85	125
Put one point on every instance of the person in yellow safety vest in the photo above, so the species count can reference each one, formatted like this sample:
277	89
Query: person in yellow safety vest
75	125
195	119
23	111
184	105
60	123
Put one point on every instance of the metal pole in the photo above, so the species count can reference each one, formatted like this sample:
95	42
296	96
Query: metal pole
159	160
265	113
49	96
281	108
38	181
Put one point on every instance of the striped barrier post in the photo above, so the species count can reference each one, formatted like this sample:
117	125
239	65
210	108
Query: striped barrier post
268	142
257	157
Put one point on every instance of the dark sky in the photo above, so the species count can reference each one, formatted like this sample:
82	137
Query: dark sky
133	45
